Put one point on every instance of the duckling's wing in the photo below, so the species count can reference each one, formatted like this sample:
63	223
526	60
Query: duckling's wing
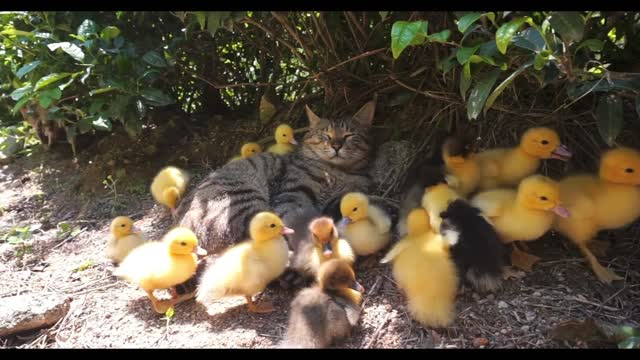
395	251
385	212
493	203
352	311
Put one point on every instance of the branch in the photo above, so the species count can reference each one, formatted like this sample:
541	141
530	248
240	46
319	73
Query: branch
284	42
293	32
363	55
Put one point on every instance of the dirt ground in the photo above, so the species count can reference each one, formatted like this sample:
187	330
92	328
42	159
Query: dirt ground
107	312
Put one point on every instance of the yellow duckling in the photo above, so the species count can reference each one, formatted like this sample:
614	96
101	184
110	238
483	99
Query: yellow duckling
524	214
366	227
435	200
247	268
322	246
424	270
508	166
162	265
248	150
285	141
463	171
325	313
168	186
608	201
124	238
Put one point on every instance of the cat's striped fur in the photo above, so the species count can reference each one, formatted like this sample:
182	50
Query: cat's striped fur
331	161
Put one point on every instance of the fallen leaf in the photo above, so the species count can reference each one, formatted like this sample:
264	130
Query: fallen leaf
480	341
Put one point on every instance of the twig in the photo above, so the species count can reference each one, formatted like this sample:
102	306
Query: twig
68	238
377	332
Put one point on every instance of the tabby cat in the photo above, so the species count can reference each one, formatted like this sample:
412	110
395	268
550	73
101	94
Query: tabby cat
298	186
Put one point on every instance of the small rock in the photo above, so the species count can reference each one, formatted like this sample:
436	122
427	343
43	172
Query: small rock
503	331
490	297
475	296
502	305
480	341
385	301
525	328
31	311
537	293
530	315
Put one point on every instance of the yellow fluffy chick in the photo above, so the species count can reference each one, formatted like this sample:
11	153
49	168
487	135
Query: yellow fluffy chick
524	214
505	167
424	270
366	227
609	201
285	141
162	265
247	268
463	170
326	245
248	150
168	187
124	238
435	200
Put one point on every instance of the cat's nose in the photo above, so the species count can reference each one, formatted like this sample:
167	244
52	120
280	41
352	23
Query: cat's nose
336	147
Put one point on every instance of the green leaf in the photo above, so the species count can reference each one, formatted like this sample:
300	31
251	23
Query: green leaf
102	123
14	32
50	79
467	21
492	17
383	15
441	36
404	33
480	58
64	86
215	20
480	92
447	64
592	44
603	85
109	32
202	18
72	49
569	24
17	94
465	81
169	313
101	90
27	68
53	93
85	265
500	88
96	105
530	39
465	53
156	97
610	118
540	60
630	343
506	32
20	104
45	101
155	59
87	28
638	105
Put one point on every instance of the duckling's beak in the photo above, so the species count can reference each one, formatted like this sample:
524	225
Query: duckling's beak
561	211
457	160
287	231
293	141
327	250
199	251
357	287
561	153
135	229
344	222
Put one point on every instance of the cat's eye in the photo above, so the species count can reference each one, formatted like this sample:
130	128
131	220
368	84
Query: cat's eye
272	225
545	142
355	209
629	170
543	198
183	243
348	136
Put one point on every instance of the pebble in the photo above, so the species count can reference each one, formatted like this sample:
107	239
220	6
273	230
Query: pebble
537	293
503	331
525	328
490	297
502	305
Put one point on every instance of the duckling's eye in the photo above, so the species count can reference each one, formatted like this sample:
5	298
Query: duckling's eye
629	170
123	225
284	135
355	209
183	243
545	142
543	198
253	151
272	225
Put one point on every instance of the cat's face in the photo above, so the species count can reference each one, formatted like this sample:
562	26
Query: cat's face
343	143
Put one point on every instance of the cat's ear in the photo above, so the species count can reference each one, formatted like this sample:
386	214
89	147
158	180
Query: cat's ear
314	120
364	116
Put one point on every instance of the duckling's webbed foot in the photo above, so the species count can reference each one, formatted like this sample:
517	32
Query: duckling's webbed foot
523	260
604	275
264	307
